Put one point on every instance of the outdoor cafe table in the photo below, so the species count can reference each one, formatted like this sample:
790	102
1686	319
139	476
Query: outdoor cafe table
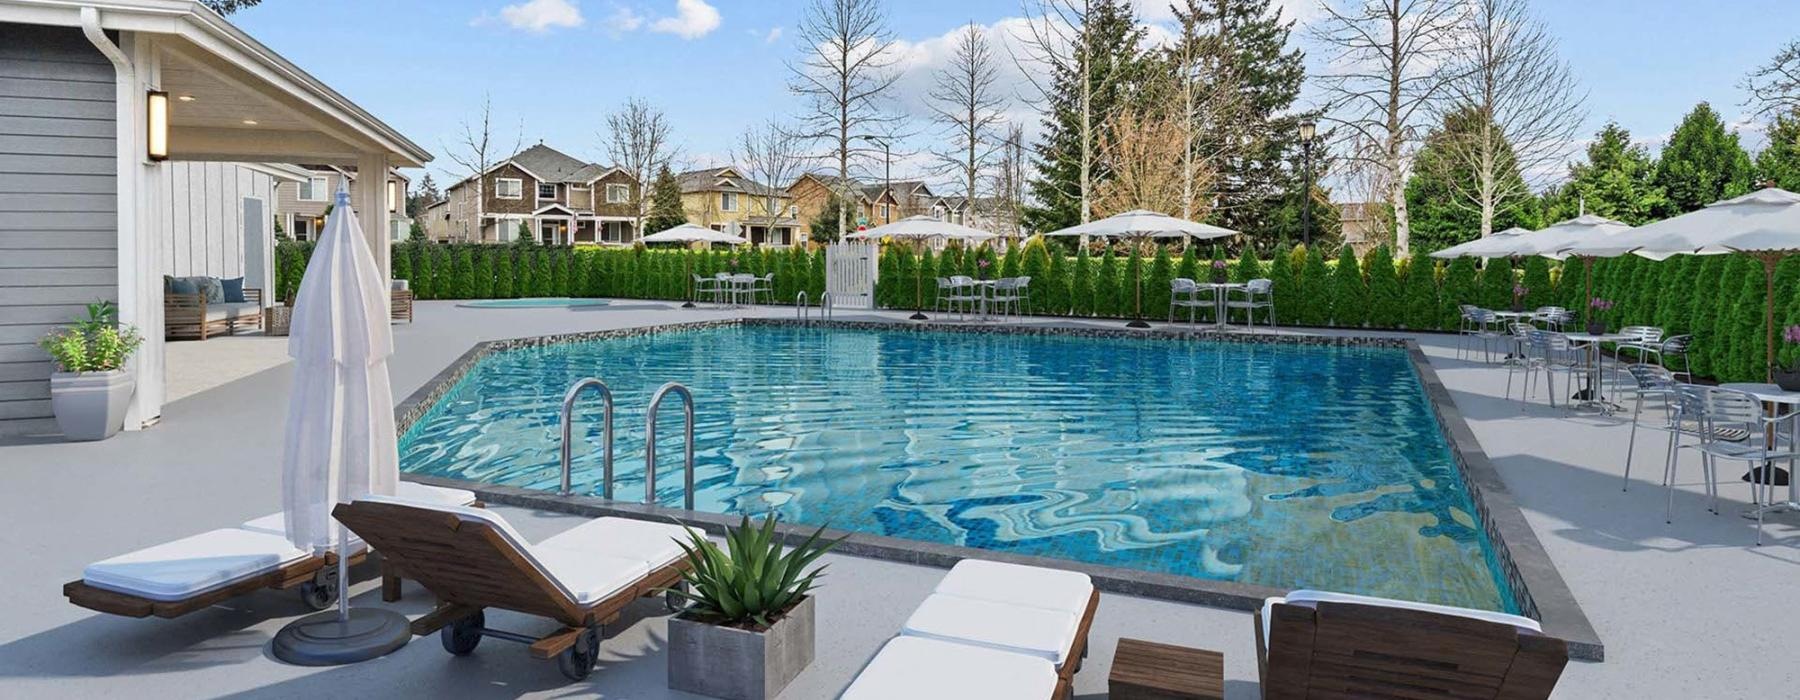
1775	398
1591	398
1220	290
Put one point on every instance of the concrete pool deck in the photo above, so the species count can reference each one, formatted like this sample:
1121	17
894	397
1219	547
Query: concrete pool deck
1669	600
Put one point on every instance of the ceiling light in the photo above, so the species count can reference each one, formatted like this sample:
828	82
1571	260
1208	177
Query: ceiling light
185	98
250	122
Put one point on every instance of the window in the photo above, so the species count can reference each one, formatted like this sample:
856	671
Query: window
612	232
727	201
509	187
303	229
546	190
793	211
617	194
314	189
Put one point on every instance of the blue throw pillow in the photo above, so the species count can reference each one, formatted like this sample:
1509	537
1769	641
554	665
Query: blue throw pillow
234	290
215	292
183	285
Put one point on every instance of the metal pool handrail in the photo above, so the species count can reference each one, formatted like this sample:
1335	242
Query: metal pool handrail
826	305
606	431
687	404
801	311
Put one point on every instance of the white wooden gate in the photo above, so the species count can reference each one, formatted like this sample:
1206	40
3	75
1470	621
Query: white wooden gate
850	272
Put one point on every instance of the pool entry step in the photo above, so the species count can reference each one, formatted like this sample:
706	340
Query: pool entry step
606	438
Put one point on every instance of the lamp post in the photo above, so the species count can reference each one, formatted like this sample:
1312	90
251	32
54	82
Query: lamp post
887	175
1307	130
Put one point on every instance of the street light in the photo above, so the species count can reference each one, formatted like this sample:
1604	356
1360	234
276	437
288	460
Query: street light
1307	131
887	177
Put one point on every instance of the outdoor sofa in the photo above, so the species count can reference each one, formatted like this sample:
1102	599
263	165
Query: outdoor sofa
201	307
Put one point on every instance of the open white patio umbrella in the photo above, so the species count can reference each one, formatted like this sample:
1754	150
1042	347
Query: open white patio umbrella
1764	224
1585	237
1504	244
919	230
339	443
1140	224
691	233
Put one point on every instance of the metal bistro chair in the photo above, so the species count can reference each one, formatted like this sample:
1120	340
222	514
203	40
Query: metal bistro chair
743	285
721	288
1520	359
1186	292
964	295
1651	384
1671	348
1550	353
1004	295
1555	317
945	290
1023	290
764	285
1479	326
1255	294
1468	325
1720	410
704	286
1638	340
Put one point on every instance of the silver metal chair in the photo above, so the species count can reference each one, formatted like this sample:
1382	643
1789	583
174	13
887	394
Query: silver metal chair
1550	353
1556	318
764	285
1184	292
941	303
1480	327
964	294
1520	359
1255	294
704	286
1651	384
742	288
1671	348
1641	338
1004	295
1720	410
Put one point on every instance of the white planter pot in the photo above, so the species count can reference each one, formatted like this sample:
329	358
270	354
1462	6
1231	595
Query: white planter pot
90	405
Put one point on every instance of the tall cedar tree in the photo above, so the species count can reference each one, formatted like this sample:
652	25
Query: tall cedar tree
666	211
1315	304
1418	286
1349	293
1459	288
1116	62
1779	162
1385	304
1536	281
1259	177
1618	181
1702	163
1439	218
1081	284
1281	274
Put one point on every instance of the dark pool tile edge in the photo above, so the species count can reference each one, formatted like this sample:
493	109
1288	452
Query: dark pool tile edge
1539	588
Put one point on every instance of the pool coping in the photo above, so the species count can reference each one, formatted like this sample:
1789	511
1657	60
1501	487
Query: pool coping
1537	586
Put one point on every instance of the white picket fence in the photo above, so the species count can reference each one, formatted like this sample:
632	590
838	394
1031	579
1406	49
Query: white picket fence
850	273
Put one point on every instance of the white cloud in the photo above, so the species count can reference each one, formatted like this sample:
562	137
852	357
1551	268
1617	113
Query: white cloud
623	19
542	15
692	19
772	36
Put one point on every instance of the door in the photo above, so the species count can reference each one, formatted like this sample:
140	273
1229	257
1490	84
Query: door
850	273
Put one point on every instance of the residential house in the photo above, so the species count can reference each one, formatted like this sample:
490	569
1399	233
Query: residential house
301	206
984	213
873	205
1362	224
809	194
559	199
135	133
724	199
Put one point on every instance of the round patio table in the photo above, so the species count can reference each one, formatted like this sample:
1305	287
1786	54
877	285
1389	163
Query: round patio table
1774	397
1220	290
1591	398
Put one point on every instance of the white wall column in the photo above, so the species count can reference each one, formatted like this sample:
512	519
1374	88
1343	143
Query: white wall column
369	197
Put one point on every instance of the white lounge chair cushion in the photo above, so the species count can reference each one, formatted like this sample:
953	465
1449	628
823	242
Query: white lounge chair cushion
1311	596
650	542
1031	586
193	565
274	524
590	577
425	492
1043	633
908	668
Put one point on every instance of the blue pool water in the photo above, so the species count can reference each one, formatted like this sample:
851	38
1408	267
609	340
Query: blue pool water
1275	464
533	303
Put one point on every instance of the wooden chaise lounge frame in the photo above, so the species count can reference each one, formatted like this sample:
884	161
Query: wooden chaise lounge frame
470	566
1345	650
310	570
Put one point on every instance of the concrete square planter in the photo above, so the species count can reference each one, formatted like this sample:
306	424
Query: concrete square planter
90	405
725	662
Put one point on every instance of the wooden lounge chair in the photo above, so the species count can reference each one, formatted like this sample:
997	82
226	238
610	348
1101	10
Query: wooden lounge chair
471	559
1314	644
1005	626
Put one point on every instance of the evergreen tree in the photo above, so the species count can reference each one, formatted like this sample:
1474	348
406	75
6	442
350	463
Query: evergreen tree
1081	284
906	291
558	260
1284	282
504	273
1536	282
1441	215
417	232
1386	307
1703	312
527	270
1349	292
1190	263
482	282
1317	286
1779	162
666	211
1052	295
1618	181
824	228
400	257
1418	289
1156	287
928	265
1107	301
1702	163
462	274
1496	291
1114	60
1460	287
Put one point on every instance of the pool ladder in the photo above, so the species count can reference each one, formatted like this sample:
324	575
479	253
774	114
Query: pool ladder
803	310
606	432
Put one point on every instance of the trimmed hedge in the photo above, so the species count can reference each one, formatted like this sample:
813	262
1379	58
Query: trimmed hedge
1718	299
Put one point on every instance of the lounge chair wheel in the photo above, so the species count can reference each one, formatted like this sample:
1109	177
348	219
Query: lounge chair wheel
672	600
578	661
461	636
321	592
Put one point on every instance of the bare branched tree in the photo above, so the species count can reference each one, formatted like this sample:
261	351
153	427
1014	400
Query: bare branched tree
1058	42
966	100
1212	113
477	152
1387	63
771	156
638	140
1525	103
845	70
1009	183
1774	87
1143	151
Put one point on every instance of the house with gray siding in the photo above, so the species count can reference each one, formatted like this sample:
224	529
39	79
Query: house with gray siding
147	137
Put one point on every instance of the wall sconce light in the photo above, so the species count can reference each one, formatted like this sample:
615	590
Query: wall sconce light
393	196
156	123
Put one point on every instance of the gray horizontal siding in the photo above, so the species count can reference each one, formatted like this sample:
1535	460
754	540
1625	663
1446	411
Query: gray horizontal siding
58	206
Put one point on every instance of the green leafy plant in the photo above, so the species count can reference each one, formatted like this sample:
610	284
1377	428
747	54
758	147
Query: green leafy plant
750	582
94	344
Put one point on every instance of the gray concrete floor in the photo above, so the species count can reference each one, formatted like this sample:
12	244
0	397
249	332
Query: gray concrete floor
1687	610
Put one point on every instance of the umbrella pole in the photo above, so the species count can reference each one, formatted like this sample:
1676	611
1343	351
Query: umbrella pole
918	283
1587	271
1137	275
1769	261
689	265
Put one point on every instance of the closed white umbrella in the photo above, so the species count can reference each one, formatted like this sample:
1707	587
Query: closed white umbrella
919	230
1139	224
1764	224
339	443
1504	244
691	233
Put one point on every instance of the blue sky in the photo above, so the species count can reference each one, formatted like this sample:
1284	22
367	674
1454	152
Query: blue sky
554	68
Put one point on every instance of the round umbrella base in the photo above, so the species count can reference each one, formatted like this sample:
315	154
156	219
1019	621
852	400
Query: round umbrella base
321	640
1137	324
688	305
917	316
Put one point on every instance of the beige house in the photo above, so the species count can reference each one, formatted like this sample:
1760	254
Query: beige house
557	198
723	199
300	207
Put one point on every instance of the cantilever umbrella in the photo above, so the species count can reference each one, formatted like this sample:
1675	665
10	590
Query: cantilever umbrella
1764	225
920	229
691	233
339	443
1586	237
1140	224
1510	243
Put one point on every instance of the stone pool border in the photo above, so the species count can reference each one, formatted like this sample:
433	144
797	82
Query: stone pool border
1538	588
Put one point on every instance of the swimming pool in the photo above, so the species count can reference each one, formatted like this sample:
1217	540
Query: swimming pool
1279	464
533	303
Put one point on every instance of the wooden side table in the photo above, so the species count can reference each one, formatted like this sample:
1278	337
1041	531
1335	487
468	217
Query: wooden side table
1154	671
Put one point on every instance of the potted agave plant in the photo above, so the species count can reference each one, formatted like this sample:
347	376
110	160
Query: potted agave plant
1788	377
1597	308
91	387
747	628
